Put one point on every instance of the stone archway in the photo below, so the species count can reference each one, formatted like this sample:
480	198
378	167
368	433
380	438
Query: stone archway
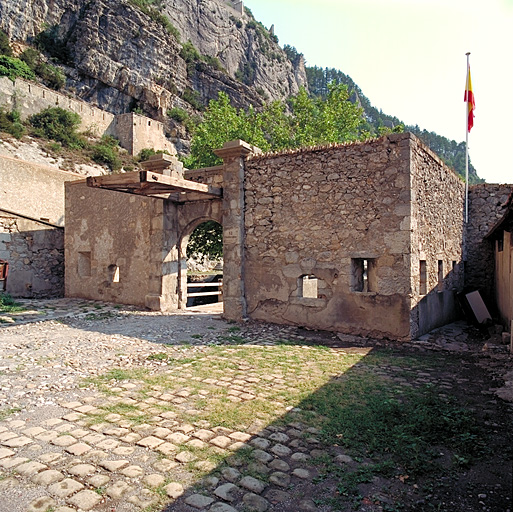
183	242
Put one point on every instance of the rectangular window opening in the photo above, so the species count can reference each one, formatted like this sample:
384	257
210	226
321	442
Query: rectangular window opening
363	275
500	244
308	286
423	277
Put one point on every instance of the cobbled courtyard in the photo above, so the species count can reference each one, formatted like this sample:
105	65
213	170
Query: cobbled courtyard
107	408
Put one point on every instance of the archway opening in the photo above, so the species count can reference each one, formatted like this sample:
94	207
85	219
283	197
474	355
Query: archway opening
205	264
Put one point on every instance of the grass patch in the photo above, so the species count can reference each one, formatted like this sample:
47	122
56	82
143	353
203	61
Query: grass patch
5	413
9	305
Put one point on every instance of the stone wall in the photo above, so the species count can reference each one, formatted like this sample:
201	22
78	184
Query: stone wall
313	218
35	253
486	207
120	247
33	190
437	239
138	132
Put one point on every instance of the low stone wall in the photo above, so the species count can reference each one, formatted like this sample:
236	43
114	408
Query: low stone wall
486	207
35	253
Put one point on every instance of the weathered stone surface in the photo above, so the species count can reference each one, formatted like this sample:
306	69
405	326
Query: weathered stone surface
227	492
199	501
41	504
85	500
252	484
65	488
255	503
118	489
174	490
30	468
47	477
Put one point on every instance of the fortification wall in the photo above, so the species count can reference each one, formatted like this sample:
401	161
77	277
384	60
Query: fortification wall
314	220
486	207
29	98
35	253
33	190
134	131
437	240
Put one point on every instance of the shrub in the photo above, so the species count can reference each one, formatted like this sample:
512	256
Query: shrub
58	124
193	98
10	122
104	153
5	47
146	7
178	114
13	68
50	75
145	153
189	52
49	41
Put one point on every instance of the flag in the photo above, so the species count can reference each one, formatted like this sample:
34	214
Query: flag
471	103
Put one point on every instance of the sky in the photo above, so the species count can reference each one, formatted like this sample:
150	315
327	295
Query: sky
409	59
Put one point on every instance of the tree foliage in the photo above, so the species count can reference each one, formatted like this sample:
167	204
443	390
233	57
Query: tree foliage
306	120
58	124
206	239
5	47
377	123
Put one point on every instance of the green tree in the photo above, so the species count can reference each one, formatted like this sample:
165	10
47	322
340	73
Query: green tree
13	68
309	121
206	239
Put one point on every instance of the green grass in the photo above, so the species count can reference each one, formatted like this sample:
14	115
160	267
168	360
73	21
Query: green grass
5	413
9	305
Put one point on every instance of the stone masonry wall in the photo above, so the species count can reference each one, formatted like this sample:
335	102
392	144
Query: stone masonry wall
320	213
437	236
486	202
35	253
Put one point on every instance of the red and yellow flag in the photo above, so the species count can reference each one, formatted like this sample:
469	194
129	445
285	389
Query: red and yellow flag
471	103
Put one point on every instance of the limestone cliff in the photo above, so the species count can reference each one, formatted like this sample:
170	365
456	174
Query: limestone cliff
121	56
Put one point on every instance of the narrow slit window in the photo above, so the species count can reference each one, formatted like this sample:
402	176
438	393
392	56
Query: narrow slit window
113	273
440	275
500	244
423	277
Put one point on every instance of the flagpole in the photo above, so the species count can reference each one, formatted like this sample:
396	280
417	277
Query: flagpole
466	140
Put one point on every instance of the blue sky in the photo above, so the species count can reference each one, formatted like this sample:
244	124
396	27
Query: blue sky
408	58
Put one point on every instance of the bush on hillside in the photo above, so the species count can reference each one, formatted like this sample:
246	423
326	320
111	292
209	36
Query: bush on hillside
58	124
10	122
50	75
14	68
107	152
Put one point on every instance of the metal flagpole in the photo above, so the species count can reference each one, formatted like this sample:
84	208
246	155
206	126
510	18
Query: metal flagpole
466	138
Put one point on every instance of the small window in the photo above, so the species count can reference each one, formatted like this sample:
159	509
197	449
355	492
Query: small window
423	277
84	264
363	275
500	244
308	286
440	275
113	273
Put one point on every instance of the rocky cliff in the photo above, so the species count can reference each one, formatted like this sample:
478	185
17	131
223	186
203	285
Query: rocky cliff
123	54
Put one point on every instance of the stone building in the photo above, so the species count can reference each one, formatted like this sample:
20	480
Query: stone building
500	238
363	238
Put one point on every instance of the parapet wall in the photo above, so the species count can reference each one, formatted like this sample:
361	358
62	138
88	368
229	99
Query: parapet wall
486	207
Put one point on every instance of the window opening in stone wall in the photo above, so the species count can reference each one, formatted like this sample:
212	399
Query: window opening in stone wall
84	264
363	275
113	273
308	286
205	264
423	277
440	275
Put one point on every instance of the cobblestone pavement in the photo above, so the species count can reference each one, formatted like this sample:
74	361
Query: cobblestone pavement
67	445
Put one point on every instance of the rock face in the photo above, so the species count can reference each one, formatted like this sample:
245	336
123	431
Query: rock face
121	57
